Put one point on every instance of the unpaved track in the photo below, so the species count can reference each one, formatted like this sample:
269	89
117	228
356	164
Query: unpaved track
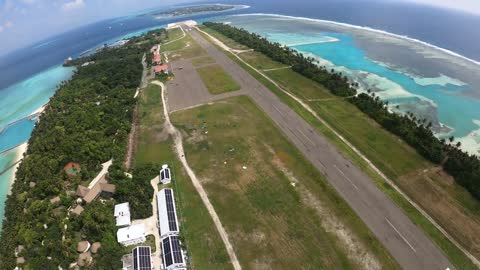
177	139
406	242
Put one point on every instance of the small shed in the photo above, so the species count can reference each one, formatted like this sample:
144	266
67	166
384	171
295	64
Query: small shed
83	246
55	200
84	259
122	214
95	247
20	260
78	210
165	175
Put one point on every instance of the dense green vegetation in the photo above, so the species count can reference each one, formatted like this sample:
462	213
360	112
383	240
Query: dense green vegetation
463	167
87	121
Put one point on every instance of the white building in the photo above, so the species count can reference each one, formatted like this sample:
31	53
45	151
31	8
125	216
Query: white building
165	175
122	214
131	235
167	213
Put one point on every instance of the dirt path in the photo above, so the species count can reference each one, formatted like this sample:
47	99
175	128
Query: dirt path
151	225
177	138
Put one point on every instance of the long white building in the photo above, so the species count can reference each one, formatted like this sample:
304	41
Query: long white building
167	213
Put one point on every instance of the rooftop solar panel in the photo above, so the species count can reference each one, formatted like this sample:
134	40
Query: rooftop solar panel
142	258
172	252
172	221
167	252
177	251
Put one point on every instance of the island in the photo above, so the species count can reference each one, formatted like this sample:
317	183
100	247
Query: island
193	10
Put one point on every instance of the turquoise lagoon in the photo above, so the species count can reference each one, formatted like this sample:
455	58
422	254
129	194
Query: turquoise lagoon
17	103
441	100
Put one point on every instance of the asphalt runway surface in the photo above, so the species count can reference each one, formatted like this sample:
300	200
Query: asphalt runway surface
407	243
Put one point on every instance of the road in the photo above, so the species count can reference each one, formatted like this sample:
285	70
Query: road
178	143
406	242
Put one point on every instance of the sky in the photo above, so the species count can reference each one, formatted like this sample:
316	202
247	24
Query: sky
23	22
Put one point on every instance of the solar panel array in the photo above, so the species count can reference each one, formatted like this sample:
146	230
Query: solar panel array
172	221
172	251
165	174
142	258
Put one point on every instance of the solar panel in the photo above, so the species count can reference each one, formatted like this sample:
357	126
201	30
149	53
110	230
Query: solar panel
167	252
172	221
177	251
142	258
172	251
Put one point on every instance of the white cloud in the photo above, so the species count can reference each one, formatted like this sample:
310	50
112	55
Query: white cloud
75	4
4	26
28	2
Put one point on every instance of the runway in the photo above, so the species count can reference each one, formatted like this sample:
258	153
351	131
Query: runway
405	241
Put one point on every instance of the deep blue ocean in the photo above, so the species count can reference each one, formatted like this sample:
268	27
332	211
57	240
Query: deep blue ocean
29	76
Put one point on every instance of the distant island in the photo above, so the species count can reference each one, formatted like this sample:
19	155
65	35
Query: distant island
191	10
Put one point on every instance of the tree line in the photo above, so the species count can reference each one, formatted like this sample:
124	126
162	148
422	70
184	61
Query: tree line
87	121
465	168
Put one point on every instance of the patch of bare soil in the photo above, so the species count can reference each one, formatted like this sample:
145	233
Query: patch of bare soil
355	250
436	193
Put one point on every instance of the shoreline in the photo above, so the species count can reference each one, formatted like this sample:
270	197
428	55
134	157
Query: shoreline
21	149
418	41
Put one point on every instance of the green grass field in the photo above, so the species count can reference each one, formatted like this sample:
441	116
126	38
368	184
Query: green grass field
175	33
184	48
247	167
204	246
229	42
451	205
261	61
217	80
197	62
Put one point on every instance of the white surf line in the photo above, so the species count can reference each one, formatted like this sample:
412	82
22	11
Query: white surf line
360	154
449	52
178	142
313	42
403	237
273	69
346	177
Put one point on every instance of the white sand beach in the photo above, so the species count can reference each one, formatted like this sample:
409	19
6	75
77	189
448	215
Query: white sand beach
20	150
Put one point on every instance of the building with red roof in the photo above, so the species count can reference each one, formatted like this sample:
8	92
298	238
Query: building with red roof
160	69
157	59
72	169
